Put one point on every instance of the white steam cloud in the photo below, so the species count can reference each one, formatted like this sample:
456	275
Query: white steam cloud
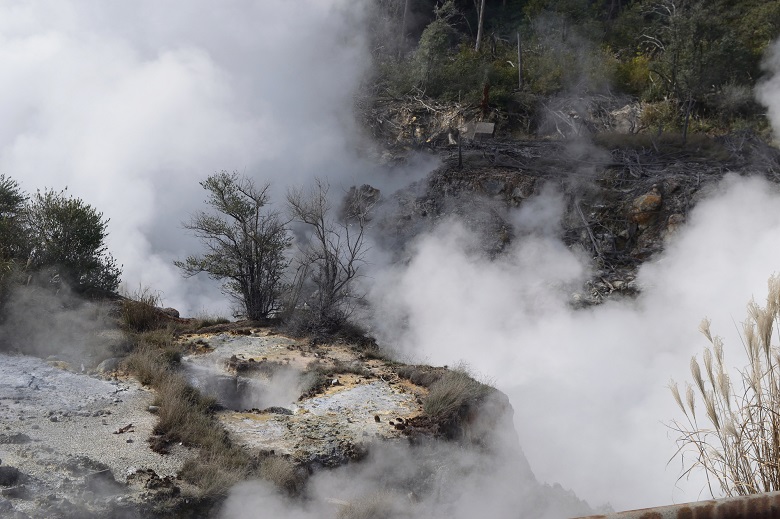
130	105
768	92
589	386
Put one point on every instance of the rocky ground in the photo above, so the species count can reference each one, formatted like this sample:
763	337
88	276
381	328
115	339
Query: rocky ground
74	444
260	377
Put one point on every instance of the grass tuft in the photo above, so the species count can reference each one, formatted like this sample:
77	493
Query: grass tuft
739	450
379	505
452	394
139	312
283	473
424	376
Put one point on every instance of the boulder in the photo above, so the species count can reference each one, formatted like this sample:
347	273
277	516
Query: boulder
170	312
108	365
645	207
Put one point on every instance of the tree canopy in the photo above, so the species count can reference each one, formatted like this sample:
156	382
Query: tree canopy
245	243
68	238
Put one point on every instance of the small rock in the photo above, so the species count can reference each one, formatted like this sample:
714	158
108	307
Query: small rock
153	409
9	476
674	222
376	418
108	365
645	207
171	312
54	418
493	187
16	438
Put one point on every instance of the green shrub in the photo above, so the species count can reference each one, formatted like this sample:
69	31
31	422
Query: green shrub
68	237
13	235
632	76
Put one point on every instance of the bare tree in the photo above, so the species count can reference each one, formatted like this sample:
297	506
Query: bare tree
245	243
334	252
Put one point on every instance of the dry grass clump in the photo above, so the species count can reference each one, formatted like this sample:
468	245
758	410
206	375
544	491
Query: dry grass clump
454	392
739	447
185	415
283	473
204	320
153	357
139	312
424	376
145	363
379	505
161	337
215	471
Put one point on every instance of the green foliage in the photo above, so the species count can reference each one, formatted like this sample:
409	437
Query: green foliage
245	243
13	244
698	54
430	58
633	75
68	238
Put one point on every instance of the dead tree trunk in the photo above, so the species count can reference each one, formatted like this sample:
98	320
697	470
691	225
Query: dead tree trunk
402	38
688	106
480	24
519	63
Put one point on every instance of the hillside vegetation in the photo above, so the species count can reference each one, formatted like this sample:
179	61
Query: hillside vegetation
694	63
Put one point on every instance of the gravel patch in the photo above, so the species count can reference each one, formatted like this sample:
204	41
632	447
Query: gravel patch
58	426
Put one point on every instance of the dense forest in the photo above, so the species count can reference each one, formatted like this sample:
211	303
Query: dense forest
692	63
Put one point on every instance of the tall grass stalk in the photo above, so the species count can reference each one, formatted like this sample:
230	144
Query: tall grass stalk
736	439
